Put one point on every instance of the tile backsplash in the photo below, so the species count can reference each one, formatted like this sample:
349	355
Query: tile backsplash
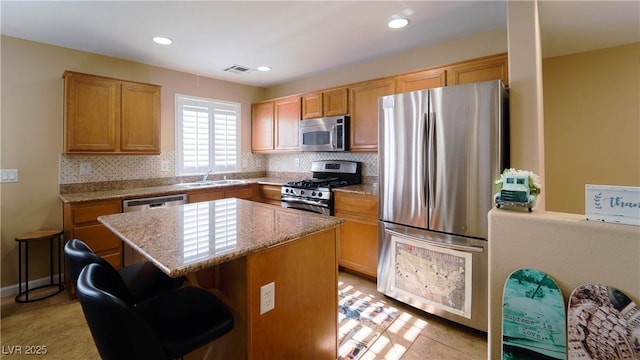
131	167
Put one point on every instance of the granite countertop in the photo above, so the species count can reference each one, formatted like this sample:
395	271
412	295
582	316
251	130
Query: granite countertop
138	192
187	238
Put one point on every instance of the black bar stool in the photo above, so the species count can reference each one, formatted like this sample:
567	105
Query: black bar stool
25	239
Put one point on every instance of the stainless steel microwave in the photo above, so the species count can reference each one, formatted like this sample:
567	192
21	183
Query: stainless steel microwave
325	134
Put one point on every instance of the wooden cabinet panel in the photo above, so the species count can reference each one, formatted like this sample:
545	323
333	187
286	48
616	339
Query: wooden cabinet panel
312	105
287	123
140	126
199	196
358	249
91	114
246	192
484	69
336	102
332	102
427	79
262	127
88	212
102	241
81	222
269	194
302	310
363	108
104	115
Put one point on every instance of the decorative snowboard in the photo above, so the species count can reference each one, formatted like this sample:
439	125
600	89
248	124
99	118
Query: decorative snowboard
603	323
533	317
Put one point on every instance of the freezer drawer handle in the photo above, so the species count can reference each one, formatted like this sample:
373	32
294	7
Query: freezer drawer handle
475	249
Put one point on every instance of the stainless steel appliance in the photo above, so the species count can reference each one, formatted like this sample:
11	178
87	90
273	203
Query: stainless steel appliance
325	134
130	256
439	152
315	194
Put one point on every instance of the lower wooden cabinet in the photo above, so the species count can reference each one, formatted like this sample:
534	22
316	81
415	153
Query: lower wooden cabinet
269	194
358	250
246	192
81	222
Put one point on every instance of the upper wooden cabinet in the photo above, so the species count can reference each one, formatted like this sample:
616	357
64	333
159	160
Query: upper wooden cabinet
483	69
287	123
262	126
363	109
427	79
332	102
104	115
275	125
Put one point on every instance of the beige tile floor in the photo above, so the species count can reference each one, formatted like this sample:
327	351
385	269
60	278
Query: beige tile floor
58	324
418	335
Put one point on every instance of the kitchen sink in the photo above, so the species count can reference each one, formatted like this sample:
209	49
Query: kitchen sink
213	183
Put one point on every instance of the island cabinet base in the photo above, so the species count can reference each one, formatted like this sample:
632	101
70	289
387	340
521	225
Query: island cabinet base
304	321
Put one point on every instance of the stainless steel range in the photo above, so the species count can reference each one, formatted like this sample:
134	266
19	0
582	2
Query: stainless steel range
315	194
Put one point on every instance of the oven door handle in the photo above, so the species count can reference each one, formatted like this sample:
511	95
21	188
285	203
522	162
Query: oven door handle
470	248
290	199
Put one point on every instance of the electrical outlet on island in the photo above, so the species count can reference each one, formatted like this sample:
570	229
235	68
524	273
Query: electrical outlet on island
267	297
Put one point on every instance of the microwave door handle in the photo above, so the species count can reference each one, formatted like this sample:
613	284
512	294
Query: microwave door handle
332	138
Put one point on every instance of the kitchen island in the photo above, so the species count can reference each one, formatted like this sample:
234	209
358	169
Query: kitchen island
234	247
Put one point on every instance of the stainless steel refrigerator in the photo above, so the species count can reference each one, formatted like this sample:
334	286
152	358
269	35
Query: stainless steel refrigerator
440	151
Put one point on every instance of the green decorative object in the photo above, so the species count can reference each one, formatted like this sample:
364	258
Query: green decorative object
517	188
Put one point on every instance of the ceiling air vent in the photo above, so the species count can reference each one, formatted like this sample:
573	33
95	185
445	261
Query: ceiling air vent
238	69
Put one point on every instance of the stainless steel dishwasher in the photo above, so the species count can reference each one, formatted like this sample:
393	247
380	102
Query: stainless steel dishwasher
129	255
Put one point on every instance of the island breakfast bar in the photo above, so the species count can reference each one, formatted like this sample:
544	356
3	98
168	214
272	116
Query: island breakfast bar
234	247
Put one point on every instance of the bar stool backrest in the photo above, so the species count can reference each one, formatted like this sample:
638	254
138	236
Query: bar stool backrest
79	255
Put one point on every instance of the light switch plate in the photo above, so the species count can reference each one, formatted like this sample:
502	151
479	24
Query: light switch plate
9	175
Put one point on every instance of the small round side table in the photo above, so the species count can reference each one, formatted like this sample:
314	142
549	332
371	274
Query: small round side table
24	240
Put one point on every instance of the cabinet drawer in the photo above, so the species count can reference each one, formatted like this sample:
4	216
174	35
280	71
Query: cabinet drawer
242	193
98	237
114	258
359	204
88	213
205	196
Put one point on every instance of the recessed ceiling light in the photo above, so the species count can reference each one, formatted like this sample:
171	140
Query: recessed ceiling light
162	40
264	68
398	23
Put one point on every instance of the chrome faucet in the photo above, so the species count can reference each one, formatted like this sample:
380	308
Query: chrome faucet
204	177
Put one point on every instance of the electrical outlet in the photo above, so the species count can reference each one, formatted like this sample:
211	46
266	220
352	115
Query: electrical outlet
267	297
85	168
297	162
164	165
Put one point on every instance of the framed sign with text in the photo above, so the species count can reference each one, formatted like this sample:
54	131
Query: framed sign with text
615	204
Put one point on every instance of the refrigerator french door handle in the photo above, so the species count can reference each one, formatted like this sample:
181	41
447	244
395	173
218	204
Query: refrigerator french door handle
432	158
425	172
470	248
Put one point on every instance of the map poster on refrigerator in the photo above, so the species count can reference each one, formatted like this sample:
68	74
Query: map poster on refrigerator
441	277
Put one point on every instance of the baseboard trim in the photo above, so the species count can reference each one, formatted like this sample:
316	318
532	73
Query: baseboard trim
12	290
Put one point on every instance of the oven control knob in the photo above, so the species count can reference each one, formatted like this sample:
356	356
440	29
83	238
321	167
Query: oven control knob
301	192
313	193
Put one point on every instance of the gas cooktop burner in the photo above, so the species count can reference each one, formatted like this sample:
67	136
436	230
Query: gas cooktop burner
318	183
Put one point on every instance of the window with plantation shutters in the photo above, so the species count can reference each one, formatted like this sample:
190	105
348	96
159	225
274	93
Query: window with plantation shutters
207	135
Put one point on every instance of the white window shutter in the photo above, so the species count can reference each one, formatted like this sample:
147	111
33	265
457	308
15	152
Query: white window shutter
207	135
